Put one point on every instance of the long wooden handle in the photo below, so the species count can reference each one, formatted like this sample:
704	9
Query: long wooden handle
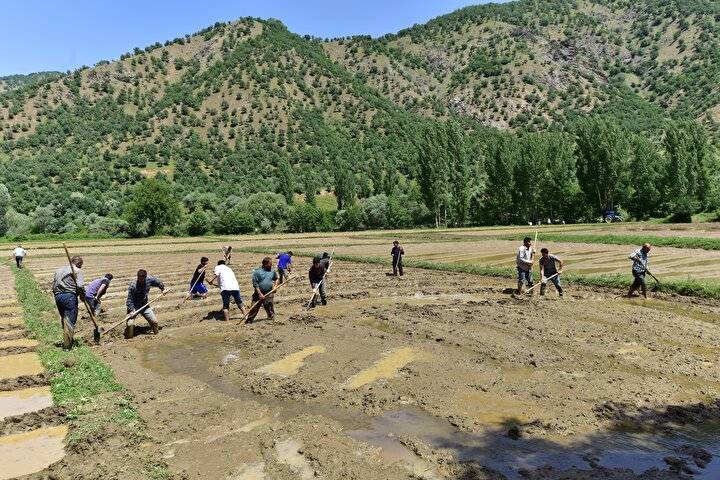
259	302
202	270
533	287
115	325
317	289
72	272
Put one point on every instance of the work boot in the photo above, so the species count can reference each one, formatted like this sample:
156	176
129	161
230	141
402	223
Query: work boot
155	327
542	289
67	335
129	331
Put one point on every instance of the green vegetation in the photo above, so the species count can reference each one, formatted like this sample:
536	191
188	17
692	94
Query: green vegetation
636	240
80	382
495	114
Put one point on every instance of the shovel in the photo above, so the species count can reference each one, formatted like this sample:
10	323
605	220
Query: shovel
129	316
96	331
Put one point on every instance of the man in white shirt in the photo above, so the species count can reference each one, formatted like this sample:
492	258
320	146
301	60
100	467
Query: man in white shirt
229	288
19	253
524	262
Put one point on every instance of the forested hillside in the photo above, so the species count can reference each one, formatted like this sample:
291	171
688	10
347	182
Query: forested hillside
493	114
12	82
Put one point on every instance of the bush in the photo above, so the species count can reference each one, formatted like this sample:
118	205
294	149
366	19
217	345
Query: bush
152	208
235	221
350	219
305	218
198	223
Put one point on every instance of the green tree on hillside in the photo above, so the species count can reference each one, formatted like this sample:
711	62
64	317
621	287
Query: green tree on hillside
152	207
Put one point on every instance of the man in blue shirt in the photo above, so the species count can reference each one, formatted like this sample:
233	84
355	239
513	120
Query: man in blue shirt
284	265
640	258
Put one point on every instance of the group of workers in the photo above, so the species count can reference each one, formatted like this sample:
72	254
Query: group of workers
551	267
68	283
69	290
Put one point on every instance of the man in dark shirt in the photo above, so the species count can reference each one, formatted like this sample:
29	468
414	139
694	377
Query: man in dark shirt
137	297
397	253
317	277
263	281
197	282
549	271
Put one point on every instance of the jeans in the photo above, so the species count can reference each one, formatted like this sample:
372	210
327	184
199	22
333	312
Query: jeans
199	289
268	304
397	266
148	314
638	281
555	281
67	305
524	276
95	304
321	292
282	274
227	295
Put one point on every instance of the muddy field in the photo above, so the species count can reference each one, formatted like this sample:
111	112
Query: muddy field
432	375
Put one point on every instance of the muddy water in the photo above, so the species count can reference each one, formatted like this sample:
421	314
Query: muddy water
12	366
30	452
197	356
18	402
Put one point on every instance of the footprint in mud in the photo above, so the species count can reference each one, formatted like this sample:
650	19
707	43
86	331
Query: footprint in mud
288	452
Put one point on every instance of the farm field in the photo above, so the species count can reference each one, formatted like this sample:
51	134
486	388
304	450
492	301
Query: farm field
436	375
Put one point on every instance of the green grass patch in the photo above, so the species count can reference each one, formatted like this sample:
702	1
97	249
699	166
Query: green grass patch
703	243
79	380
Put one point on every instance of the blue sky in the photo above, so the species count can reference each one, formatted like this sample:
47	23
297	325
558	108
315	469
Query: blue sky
65	34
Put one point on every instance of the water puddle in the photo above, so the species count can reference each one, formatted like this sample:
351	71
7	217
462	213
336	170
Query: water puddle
495	450
197	356
291	364
31	452
23	401
386	367
19	365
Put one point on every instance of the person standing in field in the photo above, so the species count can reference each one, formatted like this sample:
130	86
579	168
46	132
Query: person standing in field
317	277
524	262
137	297
397	253
197	282
549	271
66	292
640	259
227	253
229	288
19	253
284	265
95	291
263	281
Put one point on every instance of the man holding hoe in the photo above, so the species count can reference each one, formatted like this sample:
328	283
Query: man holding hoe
640	258
229	288
397	253
524	262
137	298
66	291
549	271
263	281
284	265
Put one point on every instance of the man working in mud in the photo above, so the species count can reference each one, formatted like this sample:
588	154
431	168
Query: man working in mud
137	298
640	259
66	293
524	262
197	282
229	288
549	271
317	277
19	253
263	281
95	291
227	253
284	265
397	253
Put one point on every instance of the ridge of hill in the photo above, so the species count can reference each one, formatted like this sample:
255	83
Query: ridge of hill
248	107
12	82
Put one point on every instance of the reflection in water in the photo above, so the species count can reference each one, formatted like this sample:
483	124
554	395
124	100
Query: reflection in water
197	356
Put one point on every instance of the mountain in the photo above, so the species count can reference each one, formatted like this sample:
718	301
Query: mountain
248	106
11	82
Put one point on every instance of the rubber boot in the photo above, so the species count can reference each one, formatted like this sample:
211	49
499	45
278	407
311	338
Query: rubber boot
129	331
68	333
560	291
542	289
155	327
